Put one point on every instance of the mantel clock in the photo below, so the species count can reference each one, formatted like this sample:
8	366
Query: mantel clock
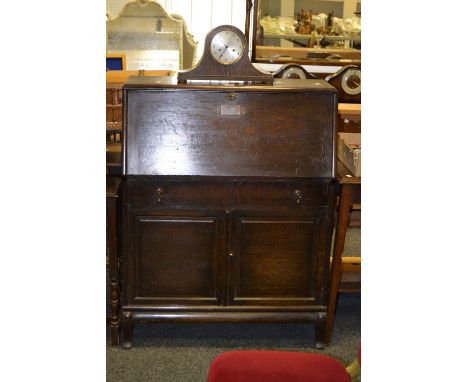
225	58
347	81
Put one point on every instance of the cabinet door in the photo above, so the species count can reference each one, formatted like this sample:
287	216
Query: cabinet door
277	259
175	257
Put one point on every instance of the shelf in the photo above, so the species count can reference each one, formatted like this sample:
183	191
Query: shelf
350	277
350	280
113	147
350	111
302	52
115	79
306	37
114	126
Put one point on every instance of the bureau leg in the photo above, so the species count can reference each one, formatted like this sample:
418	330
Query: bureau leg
320	325
115	312
127	330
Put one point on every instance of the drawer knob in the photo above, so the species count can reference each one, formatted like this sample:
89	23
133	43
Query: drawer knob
299	195
231	254
158	193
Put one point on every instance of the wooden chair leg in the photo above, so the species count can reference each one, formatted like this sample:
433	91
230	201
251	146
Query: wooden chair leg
340	236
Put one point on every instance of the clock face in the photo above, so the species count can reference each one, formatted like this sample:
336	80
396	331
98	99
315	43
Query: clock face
226	47
351	81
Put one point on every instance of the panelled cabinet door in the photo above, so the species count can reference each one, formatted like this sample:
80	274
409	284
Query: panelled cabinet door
176	258
275	259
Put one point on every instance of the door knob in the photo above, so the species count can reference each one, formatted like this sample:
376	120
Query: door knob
158	193
299	196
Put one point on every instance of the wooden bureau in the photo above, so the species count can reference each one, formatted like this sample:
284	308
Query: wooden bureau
227	202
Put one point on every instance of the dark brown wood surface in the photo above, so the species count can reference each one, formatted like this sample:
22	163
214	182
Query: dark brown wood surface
149	192
238	132
178	256
248	12
112	193
348	126
227	218
268	268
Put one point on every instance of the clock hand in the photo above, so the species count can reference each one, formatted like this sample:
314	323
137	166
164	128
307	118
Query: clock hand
224	51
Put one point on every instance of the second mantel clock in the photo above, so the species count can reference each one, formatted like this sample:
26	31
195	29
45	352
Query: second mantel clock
347	81
225	58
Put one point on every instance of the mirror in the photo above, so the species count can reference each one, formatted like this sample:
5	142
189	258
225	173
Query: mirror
150	38
307	32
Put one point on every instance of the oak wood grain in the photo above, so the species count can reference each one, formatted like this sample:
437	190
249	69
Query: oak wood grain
228	200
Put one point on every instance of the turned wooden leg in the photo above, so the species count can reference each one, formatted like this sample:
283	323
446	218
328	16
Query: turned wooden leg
320	325
127	330
340	236
115	312
113	269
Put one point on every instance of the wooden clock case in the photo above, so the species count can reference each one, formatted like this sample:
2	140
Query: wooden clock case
209	69
228	199
280	73
335	80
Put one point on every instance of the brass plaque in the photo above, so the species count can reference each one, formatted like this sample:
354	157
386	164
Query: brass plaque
230	109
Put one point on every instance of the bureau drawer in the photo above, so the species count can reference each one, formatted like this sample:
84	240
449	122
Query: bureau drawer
154	192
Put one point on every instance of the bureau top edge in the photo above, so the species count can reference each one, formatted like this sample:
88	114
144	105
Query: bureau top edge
279	84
